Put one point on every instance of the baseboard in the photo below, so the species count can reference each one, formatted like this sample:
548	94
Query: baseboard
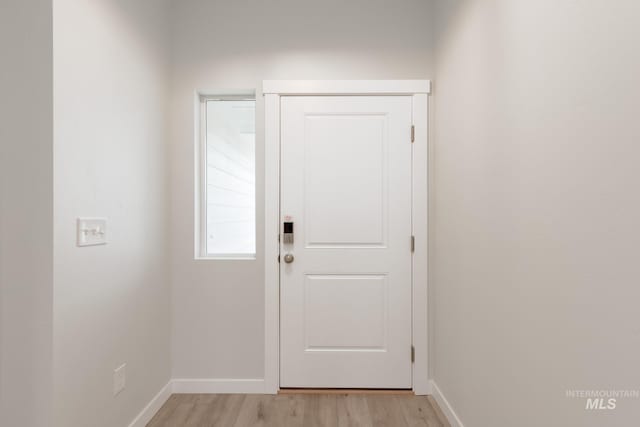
445	406
220	386
152	407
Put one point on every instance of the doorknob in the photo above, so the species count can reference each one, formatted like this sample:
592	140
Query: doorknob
288	258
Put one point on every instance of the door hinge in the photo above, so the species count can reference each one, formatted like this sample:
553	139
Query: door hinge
413	133
278	258
413	354
413	243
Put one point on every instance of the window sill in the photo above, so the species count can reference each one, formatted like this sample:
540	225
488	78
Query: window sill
225	258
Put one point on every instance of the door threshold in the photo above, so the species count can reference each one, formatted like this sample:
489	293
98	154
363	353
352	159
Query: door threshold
405	392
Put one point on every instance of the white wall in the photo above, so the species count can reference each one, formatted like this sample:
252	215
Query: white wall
218	307
536	227
111	302
26	206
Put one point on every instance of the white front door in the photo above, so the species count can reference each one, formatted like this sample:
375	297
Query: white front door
346	294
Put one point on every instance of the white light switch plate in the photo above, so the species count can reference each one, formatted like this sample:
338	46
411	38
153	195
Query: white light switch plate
119	379
91	231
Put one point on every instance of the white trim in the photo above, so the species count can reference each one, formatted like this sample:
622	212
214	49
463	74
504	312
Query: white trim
419	224
152	407
346	87
199	167
230	257
445	406
273	89
200	170
227	93
272	246
218	386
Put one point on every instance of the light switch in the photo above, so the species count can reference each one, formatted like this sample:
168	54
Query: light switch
91	231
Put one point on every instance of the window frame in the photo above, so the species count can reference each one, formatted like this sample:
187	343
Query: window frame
200	166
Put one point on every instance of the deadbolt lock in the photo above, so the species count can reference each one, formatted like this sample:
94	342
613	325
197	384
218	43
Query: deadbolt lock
287	233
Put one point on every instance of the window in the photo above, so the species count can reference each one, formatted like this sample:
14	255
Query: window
227	178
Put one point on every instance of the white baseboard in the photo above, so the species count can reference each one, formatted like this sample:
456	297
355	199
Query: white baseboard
152	407
445	406
215	385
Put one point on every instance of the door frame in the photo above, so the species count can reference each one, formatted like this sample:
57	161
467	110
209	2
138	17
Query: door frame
419	90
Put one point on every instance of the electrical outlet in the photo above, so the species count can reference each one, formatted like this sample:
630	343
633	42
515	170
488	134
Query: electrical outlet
119	379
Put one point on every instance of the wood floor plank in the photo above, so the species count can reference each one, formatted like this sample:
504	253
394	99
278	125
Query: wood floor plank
320	411
353	411
298	410
386	411
165	411
257	410
214	410
179	415
231	407
438	411
418	412
203	404
289	411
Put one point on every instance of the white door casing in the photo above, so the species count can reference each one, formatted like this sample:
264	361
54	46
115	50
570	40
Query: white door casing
345	300
417	91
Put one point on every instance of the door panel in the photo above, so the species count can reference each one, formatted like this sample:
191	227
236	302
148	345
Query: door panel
346	312
336	170
346	297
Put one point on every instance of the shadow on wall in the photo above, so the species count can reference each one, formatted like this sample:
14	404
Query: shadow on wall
125	16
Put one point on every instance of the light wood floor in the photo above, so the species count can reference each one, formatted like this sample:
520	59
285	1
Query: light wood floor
303	410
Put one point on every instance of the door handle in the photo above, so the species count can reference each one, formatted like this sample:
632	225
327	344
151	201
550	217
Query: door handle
288	258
